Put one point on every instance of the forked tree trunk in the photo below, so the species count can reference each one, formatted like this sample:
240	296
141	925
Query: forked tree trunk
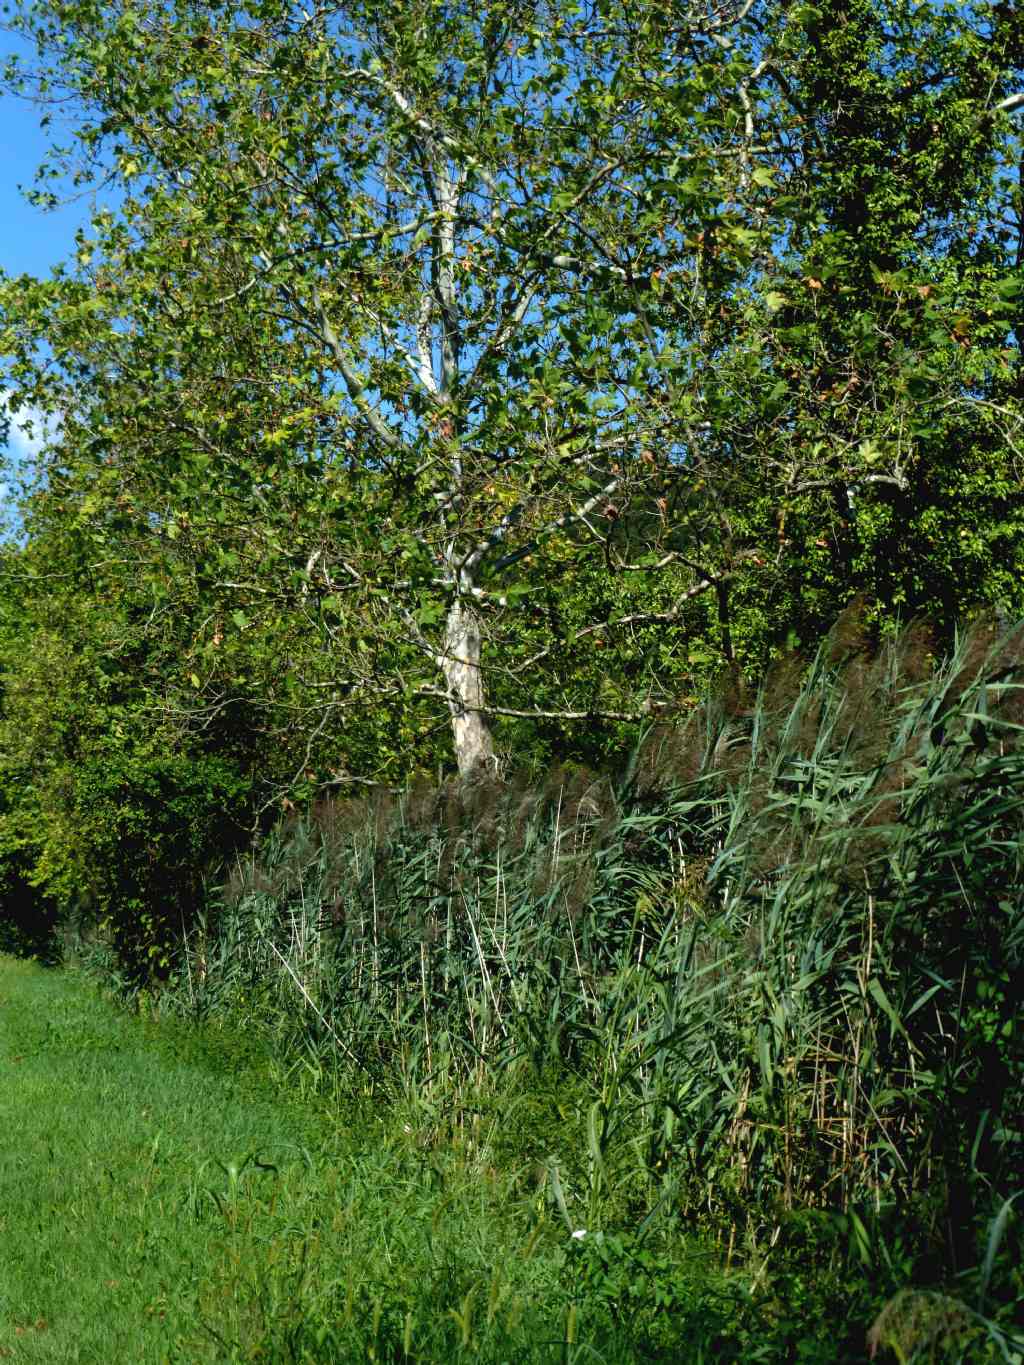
460	663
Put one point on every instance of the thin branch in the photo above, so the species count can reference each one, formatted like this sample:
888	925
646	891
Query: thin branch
613	622
355	385
592	714
575	514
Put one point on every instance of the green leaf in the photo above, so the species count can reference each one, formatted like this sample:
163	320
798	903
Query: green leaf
877	993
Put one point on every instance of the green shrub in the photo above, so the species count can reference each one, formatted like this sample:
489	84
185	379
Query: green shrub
149	830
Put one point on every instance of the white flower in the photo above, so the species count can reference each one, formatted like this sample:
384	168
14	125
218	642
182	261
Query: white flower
579	1234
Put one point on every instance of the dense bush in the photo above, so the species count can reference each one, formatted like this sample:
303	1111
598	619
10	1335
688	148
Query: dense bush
29	920
150	831
110	815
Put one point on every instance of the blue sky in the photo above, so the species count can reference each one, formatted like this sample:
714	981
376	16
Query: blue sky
31	242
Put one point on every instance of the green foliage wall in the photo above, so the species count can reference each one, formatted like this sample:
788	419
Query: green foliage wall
644	343
110	815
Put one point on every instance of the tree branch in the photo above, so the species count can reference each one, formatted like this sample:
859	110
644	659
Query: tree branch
355	385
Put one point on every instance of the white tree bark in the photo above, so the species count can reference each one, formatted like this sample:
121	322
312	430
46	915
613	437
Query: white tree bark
460	664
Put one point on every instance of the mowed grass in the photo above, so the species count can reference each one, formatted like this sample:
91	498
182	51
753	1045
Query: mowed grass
108	1147
156	1206
161	1199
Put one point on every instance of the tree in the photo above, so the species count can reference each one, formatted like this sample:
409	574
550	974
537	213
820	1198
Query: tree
429	348
437	233
890	341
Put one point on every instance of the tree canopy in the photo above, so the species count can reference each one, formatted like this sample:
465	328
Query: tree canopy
460	383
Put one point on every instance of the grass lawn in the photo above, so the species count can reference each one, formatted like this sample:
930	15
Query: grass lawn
159	1201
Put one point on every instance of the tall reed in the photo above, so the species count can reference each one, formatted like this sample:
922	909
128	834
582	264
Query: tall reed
775	964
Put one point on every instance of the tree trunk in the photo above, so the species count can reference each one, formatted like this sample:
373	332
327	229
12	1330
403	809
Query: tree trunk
460	663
